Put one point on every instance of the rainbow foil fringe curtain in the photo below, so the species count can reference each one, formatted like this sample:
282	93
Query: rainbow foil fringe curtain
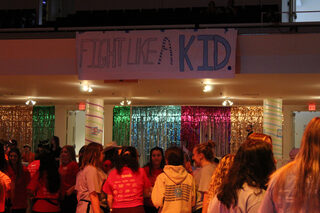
27	124
164	126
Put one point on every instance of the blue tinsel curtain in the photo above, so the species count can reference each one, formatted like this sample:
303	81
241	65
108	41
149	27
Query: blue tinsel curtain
43	124
121	125
155	126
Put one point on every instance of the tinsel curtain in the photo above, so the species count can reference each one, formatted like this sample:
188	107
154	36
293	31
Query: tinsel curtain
241	116
200	124
155	126
16	123
43	124
121	125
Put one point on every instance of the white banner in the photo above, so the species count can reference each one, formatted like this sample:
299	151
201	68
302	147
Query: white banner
153	54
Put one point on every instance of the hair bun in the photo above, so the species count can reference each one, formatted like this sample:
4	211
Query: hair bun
211	144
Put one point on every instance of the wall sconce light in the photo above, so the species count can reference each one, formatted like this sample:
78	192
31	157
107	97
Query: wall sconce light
86	88
125	102
31	102
227	102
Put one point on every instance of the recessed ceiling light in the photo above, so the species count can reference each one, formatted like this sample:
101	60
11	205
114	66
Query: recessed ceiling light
207	88
85	88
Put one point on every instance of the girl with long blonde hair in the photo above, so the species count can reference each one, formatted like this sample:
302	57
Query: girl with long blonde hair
296	186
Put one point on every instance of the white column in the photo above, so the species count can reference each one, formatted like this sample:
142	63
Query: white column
272	124
94	121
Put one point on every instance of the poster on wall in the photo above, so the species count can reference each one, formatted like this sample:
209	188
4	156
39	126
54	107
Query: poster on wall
155	54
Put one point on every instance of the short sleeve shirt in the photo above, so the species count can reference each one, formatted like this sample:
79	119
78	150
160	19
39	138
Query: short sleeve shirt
68	174
126	188
249	200
89	180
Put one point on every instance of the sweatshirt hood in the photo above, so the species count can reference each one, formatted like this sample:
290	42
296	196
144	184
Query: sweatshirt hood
176	173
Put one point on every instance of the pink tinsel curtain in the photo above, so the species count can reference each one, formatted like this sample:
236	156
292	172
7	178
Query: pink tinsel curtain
200	124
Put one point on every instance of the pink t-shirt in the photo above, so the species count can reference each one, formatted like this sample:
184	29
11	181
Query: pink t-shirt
68	174
126	188
4	188
19	188
38	186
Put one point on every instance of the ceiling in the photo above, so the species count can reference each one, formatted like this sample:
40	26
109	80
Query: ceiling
244	89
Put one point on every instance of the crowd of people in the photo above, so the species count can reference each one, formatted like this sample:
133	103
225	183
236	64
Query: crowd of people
110	179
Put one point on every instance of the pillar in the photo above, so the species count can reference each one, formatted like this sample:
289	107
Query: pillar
272	124
94	121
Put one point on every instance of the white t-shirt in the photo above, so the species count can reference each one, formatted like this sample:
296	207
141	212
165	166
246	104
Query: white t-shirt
202	178
90	179
249	200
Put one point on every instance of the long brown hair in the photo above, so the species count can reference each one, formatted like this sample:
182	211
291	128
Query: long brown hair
91	155
307	168
252	165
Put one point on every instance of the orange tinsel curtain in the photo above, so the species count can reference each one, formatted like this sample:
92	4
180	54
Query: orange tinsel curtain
241	116
16	123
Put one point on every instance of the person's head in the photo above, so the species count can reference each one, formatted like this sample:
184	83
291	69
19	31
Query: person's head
67	154
81	152
252	165
219	174
13	144
249	128
261	137
92	155
203	153
14	157
44	146
157	158
128	157
174	156
26	148
293	153
55	142
110	158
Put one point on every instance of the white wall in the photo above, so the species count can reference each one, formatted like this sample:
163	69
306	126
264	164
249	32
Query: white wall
60	124
308	5
301	120
76	129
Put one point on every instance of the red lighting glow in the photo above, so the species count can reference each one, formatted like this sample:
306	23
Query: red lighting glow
82	106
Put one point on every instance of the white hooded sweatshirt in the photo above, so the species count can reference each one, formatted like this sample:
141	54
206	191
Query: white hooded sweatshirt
174	190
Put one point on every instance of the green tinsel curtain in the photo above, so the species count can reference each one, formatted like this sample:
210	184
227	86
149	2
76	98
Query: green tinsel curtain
121	125
43	124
